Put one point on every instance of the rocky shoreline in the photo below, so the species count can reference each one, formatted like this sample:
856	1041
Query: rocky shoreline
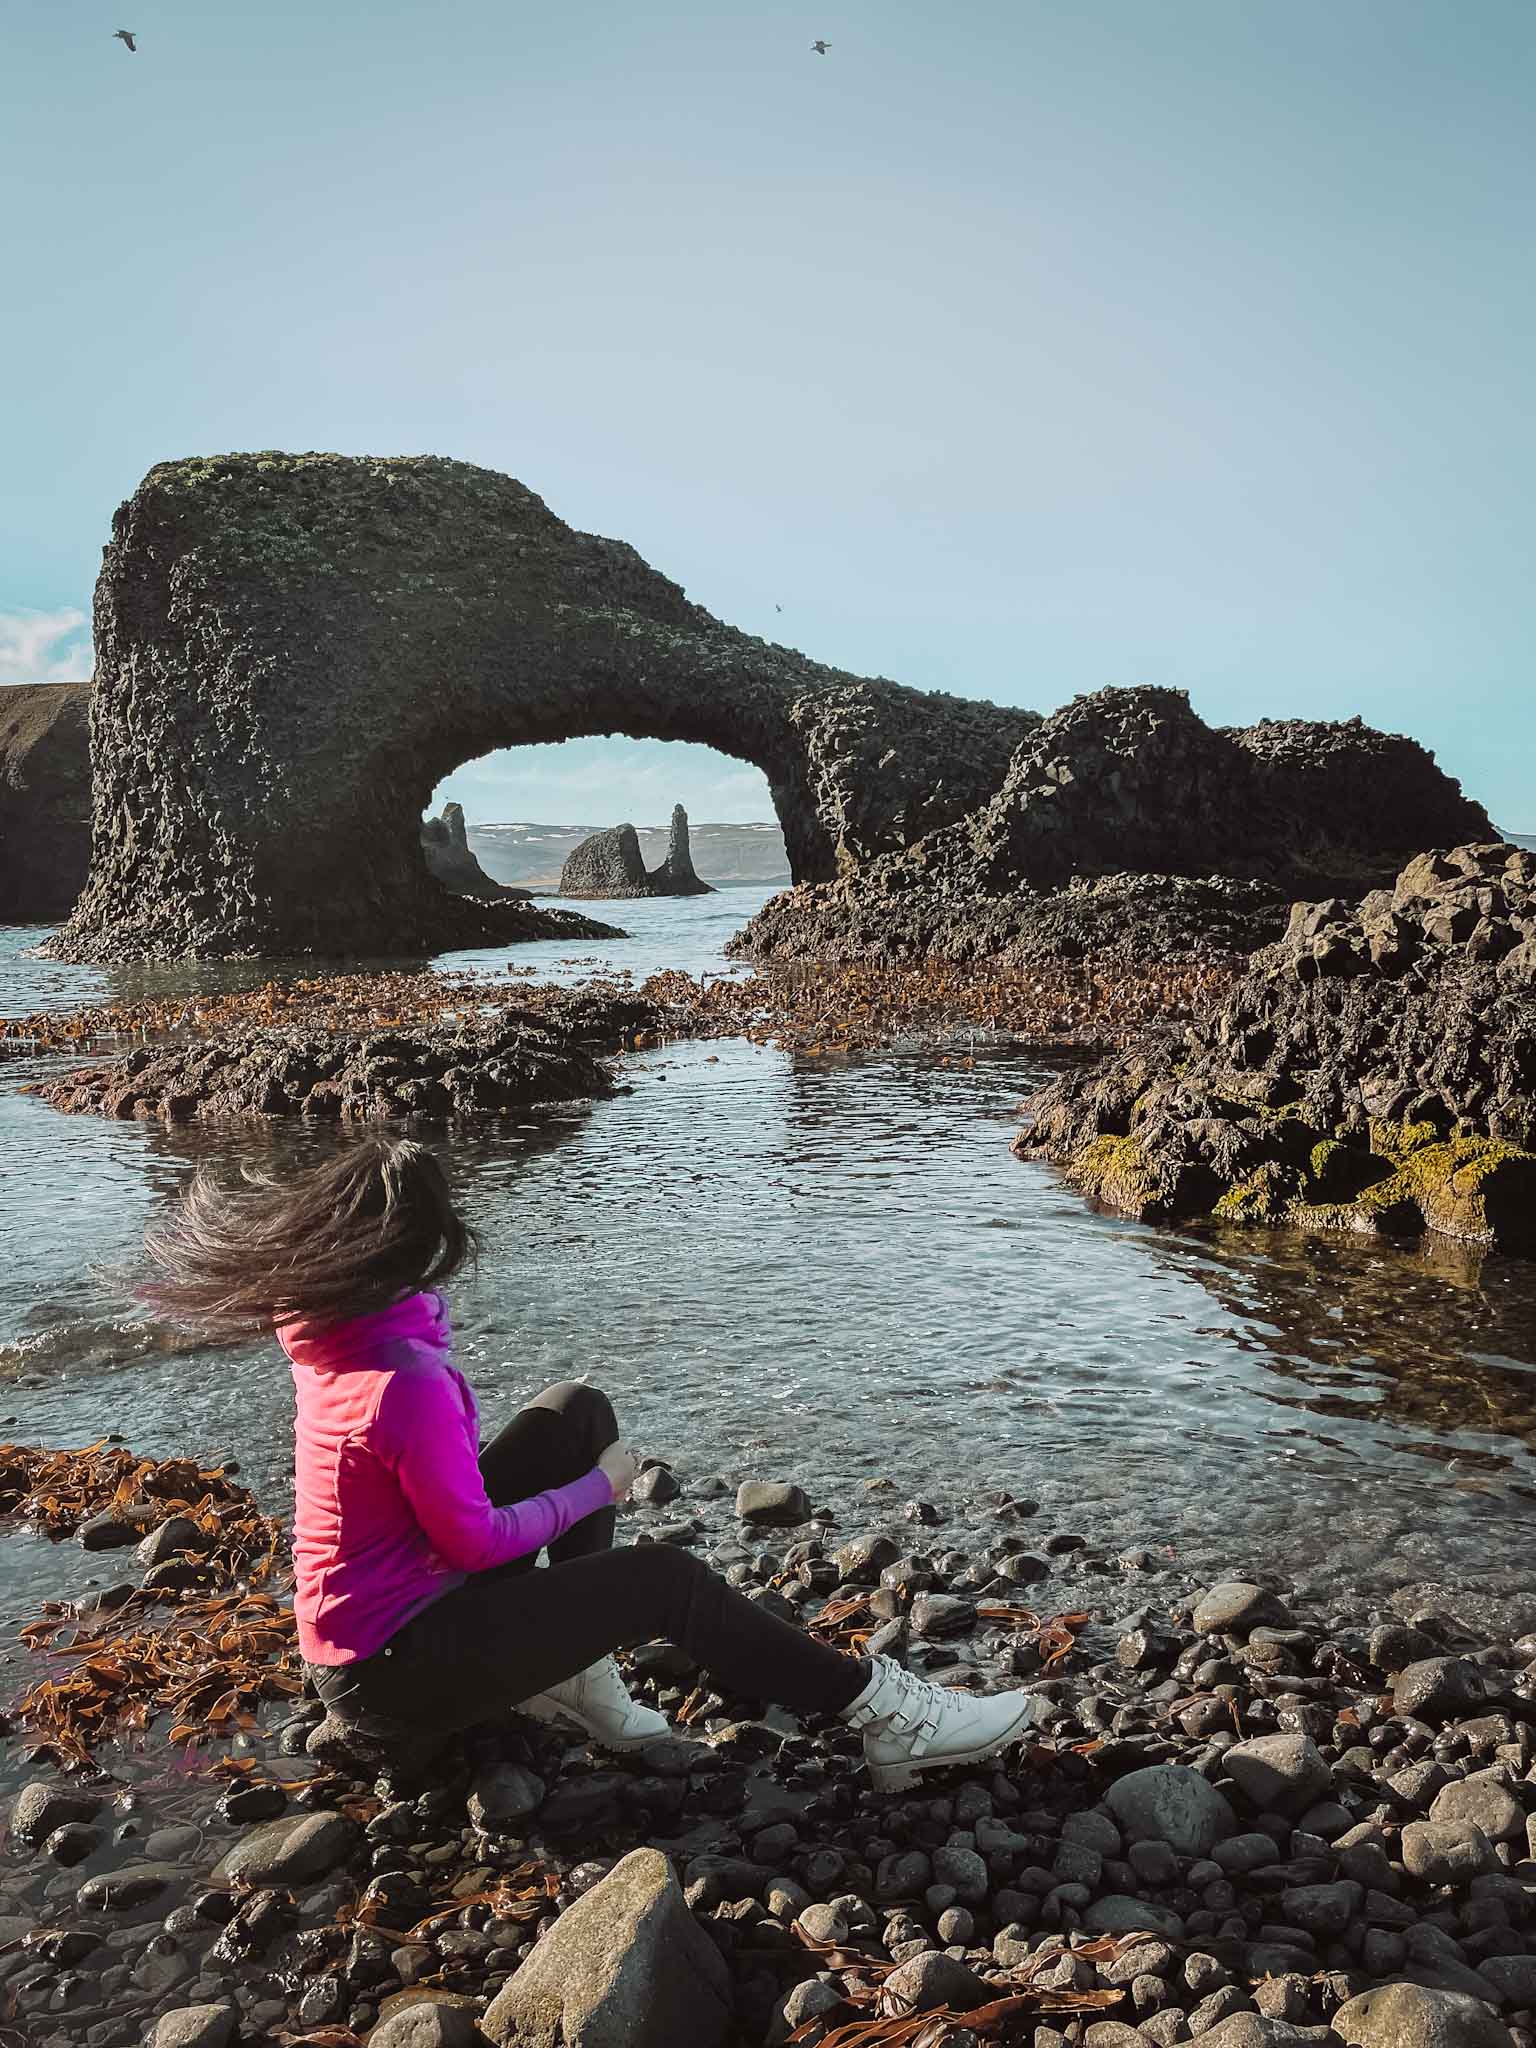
1239	1818
1374	1071
397	1045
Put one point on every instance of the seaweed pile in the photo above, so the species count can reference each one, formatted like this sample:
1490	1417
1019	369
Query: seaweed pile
201	1635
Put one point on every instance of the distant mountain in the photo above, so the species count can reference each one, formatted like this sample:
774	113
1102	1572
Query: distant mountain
533	855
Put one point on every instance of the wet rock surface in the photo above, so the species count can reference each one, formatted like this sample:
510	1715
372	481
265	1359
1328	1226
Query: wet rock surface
1373	1071
610	864
1126	823
1198	1840
45	799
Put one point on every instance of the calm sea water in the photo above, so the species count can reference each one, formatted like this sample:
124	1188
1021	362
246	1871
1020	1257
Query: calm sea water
827	1271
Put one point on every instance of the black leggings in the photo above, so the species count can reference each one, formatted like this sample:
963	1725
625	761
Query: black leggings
507	1634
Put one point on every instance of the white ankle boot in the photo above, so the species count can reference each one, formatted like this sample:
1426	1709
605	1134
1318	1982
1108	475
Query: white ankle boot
911	1727
598	1700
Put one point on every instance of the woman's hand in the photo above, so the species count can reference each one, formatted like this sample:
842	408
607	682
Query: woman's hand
620	1468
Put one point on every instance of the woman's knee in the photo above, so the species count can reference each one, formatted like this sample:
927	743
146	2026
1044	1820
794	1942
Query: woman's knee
586	1407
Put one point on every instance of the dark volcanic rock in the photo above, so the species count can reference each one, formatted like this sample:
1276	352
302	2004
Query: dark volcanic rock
45	799
486	1070
1374	1071
876	916
607	864
1130	785
610	864
445	844
321	639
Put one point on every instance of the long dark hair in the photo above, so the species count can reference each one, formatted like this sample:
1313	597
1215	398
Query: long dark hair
362	1231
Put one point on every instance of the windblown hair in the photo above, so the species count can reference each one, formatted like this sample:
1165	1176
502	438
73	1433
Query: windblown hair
356	1234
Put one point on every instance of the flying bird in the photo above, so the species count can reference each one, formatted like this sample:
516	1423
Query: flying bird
126	35
778	607
820	47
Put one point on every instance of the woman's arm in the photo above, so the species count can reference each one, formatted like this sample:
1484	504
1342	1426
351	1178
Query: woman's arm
424	1438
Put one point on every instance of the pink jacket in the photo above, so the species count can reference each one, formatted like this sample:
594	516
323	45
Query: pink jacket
390	1510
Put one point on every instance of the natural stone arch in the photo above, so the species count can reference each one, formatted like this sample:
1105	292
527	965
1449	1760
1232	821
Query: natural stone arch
294	650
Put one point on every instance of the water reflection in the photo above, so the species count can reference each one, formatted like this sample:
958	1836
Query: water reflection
1440	1338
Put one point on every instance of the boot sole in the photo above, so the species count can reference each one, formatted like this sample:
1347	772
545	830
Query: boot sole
901	1777
539	1708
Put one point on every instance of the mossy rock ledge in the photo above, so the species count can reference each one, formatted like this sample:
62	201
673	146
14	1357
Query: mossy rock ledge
1374	1071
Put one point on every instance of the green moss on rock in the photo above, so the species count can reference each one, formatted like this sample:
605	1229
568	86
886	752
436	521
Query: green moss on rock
1117	1172
1264	1197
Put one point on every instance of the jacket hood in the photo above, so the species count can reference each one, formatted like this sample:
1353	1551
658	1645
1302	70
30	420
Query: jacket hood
419	1319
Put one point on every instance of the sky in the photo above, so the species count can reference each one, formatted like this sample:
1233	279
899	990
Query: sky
1013	348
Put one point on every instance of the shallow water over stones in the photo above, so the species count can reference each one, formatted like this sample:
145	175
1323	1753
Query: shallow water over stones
831	1270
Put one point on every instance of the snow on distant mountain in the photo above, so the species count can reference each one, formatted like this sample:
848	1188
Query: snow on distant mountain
532	855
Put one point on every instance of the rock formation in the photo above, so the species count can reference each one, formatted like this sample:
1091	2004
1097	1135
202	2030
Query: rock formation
320	638
1131	784
446	846
495	1068
610	864
675	876
45	799
1374	1071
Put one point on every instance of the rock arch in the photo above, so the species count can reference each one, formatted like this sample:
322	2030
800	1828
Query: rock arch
293	650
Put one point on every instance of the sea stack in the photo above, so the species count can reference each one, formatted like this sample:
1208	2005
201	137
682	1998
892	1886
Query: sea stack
445	843
45	800
610	864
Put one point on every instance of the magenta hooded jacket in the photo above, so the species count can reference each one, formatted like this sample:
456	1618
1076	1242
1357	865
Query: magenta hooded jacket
390	1511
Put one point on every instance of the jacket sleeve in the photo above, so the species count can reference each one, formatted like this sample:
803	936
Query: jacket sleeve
423	1436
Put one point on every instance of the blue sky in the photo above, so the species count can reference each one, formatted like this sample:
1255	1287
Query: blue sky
1012	348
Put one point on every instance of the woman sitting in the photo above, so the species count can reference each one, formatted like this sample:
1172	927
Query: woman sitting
419	1608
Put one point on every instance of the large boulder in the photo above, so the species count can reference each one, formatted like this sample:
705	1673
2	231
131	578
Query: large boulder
45	799
1411	2016
627	1966
1173	1804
